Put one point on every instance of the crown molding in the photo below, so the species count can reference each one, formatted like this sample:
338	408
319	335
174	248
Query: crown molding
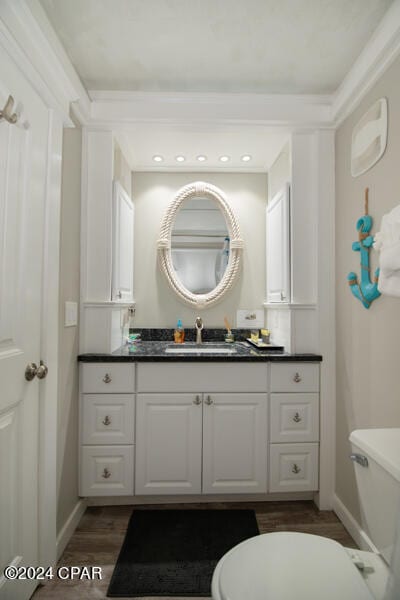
27	36
124	107
380	51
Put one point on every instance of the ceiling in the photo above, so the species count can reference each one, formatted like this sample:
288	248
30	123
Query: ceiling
144	141
206	46
260	46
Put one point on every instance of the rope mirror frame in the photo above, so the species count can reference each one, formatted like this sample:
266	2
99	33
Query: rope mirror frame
200	301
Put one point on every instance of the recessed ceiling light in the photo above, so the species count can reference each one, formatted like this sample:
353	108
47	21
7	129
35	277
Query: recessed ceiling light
246	157
224	158
180	158
201	158
158	158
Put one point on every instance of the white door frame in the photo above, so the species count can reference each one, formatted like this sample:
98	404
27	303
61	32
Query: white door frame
49	349
34	58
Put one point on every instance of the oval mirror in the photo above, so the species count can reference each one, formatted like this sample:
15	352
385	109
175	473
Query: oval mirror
200	245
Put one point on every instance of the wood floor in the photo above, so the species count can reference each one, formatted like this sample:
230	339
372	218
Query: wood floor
100	533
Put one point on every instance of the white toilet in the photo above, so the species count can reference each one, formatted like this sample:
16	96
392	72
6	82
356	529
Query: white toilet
298	566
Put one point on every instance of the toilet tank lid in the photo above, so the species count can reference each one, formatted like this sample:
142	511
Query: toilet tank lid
381	445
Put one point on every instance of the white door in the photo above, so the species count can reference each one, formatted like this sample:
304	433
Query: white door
23	151
278	247
234	443
168	444
122	275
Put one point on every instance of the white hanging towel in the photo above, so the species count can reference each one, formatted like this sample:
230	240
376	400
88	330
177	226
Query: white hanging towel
387	242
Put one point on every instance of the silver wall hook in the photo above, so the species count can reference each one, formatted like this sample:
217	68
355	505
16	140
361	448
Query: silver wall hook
7	113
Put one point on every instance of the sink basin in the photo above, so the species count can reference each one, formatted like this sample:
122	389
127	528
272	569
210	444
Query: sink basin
206	348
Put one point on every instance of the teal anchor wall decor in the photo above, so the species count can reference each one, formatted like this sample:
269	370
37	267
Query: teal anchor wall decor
367	290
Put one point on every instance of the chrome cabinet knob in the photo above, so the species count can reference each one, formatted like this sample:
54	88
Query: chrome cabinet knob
42	371
107	378
197	400
297	418
30	371
106	473
295	469
209	401
106	420
297	378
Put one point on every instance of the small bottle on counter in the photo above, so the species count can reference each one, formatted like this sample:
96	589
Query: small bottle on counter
179	333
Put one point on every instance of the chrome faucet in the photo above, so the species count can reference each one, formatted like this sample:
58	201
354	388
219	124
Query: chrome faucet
199	326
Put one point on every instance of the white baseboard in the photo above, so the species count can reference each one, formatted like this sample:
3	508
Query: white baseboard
352	526
70	525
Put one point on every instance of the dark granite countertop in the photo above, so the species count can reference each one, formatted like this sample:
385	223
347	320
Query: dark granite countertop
154	351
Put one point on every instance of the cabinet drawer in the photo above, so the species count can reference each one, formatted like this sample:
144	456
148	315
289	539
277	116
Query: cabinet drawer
293	467
108	418
104	378
107	470
294	418
295	377
202	377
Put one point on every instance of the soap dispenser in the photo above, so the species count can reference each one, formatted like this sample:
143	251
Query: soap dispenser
179	333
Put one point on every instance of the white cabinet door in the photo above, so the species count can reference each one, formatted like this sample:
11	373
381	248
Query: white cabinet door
168	444
293	467
107	419
294	377
108	378
107	471
234	443
278	247
122	273
294	418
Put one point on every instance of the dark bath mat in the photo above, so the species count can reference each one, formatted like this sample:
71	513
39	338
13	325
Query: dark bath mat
174	552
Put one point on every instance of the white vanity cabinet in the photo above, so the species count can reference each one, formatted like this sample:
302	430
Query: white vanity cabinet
191	428
199	431
294	427
107	429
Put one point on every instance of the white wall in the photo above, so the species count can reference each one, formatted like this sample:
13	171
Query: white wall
156	304
67	439
367	340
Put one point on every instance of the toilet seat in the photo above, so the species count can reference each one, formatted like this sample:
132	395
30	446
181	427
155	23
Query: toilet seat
288	566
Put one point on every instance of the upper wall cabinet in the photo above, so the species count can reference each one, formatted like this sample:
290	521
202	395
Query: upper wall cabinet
106	246
278	247
123	220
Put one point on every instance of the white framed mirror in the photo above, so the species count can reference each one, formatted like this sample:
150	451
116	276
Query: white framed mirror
200	245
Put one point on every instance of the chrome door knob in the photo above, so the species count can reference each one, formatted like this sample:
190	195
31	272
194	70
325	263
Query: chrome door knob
209	401
107	378
297	378
42	371
197	400
30	371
